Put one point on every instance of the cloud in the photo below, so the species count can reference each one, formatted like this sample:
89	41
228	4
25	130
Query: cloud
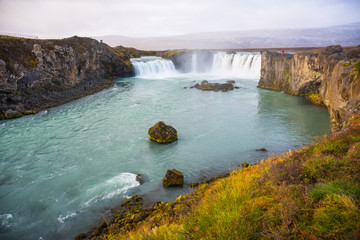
63	18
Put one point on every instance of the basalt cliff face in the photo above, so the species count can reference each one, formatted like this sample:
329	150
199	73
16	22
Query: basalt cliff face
38	74
328	76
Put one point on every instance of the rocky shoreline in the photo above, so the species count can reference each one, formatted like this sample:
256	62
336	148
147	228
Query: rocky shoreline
328	76
131	213
38	74
282	187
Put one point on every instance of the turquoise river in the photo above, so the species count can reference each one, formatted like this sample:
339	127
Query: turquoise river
62	169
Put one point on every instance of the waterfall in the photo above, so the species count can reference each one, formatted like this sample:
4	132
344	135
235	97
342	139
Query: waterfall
239	64
153	67
243	65
194	62
218	64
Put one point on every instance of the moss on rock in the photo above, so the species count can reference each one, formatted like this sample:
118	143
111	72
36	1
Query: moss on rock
162	133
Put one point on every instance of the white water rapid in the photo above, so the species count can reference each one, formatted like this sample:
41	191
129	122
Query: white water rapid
242	65
153	67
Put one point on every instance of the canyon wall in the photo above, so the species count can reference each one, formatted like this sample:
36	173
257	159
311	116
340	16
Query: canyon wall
38	74
327	76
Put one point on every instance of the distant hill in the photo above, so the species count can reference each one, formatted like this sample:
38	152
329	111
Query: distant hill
345	35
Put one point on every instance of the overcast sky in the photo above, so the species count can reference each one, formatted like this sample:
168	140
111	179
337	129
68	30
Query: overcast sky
144	18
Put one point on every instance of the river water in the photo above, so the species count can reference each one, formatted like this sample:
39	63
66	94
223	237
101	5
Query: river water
63	168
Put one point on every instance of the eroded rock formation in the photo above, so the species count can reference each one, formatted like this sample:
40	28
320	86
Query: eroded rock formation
326	76
37	74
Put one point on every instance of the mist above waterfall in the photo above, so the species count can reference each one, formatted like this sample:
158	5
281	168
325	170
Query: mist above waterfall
217	64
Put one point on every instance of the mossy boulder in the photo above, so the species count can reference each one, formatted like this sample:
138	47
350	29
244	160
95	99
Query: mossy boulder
261	150
173	177
206	86
162	133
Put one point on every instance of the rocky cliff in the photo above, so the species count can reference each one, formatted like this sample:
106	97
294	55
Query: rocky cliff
328	76
37	74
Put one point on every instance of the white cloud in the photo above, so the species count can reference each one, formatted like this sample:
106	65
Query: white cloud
63	18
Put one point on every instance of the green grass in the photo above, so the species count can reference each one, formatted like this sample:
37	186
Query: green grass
312	193
357	66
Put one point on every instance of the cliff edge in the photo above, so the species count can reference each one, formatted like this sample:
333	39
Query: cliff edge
38	74
329	76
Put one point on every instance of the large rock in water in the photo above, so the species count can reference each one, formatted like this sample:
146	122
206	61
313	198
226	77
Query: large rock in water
224	87
162	133
173	177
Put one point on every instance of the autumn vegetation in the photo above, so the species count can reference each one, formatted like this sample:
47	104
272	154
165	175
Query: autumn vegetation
311	193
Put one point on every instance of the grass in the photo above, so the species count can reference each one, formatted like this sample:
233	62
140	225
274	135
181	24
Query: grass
312	193
357	66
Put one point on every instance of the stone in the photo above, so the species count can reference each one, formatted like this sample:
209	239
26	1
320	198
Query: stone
2	64
12	114
140	178
162	133
173	177
81	236
261	149
245	165
206	86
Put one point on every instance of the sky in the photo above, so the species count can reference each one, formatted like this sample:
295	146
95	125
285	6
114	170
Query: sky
152	18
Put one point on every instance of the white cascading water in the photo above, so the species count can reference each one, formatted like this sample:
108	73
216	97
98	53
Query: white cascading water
194	62
242	65
153	67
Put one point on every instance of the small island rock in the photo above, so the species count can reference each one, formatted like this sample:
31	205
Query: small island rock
140	178
261	149
173	177
206	86
162	133
245	165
